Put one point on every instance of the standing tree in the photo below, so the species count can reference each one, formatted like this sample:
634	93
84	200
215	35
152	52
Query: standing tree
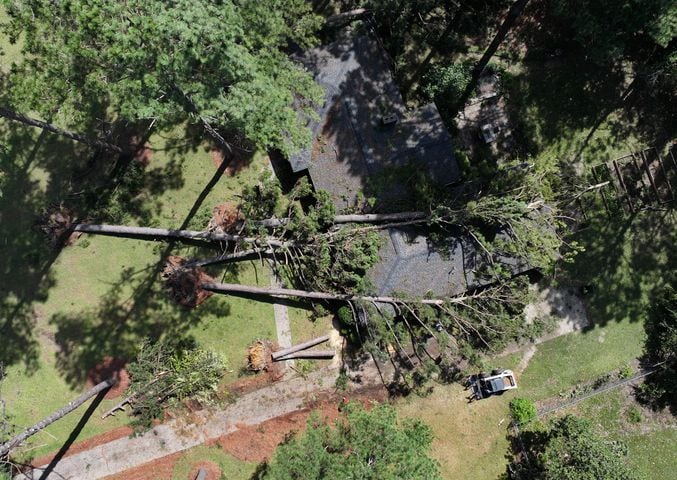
660	389
572	450
219	62
362	444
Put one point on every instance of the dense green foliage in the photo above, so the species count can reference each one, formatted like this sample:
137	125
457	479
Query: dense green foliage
162	375
610	31
362	444
571	450
522	410
145	60
445	84
660	389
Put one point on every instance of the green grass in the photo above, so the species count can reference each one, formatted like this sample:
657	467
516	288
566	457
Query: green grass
470	439
652	443
103	295
8	52
231	467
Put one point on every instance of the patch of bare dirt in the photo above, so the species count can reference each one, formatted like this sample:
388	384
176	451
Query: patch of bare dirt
142	153
107	368
160	469
184	284
213	470
238	161
258	442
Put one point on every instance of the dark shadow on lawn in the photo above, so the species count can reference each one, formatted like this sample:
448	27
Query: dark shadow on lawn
73	435
623	262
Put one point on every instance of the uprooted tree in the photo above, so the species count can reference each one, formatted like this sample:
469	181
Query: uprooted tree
164	375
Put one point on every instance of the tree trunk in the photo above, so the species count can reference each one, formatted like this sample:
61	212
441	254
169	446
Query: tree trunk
314	354
165	233
228	257
356	218
288	292
299	347
346	16
18	439
17	117
513	15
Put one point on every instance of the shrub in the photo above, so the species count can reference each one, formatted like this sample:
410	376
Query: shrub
522	410
634	414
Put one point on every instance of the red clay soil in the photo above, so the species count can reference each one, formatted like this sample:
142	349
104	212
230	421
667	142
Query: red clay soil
160	469
256	443
88	444
143	153
110	367
213	470
238	162
56	225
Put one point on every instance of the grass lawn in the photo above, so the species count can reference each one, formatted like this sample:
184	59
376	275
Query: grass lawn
470	439
103	295
231	467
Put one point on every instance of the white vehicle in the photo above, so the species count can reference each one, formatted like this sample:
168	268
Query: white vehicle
484	385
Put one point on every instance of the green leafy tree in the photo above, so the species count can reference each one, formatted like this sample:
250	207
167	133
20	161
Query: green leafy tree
151	60
610	31
445	84
362	444
660	389
571	450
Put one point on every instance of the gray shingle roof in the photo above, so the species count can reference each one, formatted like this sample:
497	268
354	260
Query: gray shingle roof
350	144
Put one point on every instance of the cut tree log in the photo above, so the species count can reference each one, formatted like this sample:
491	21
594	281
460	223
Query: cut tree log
62	412
300	346
164	233
311	354
33	122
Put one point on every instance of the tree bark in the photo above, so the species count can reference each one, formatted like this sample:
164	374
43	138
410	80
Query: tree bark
18	117
346	16
313	354
150	232
299	347
511	17
289	292
18	439
355	218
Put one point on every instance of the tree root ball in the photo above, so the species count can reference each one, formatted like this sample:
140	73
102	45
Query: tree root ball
226	218
184	284
213	470
107	368
259	355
